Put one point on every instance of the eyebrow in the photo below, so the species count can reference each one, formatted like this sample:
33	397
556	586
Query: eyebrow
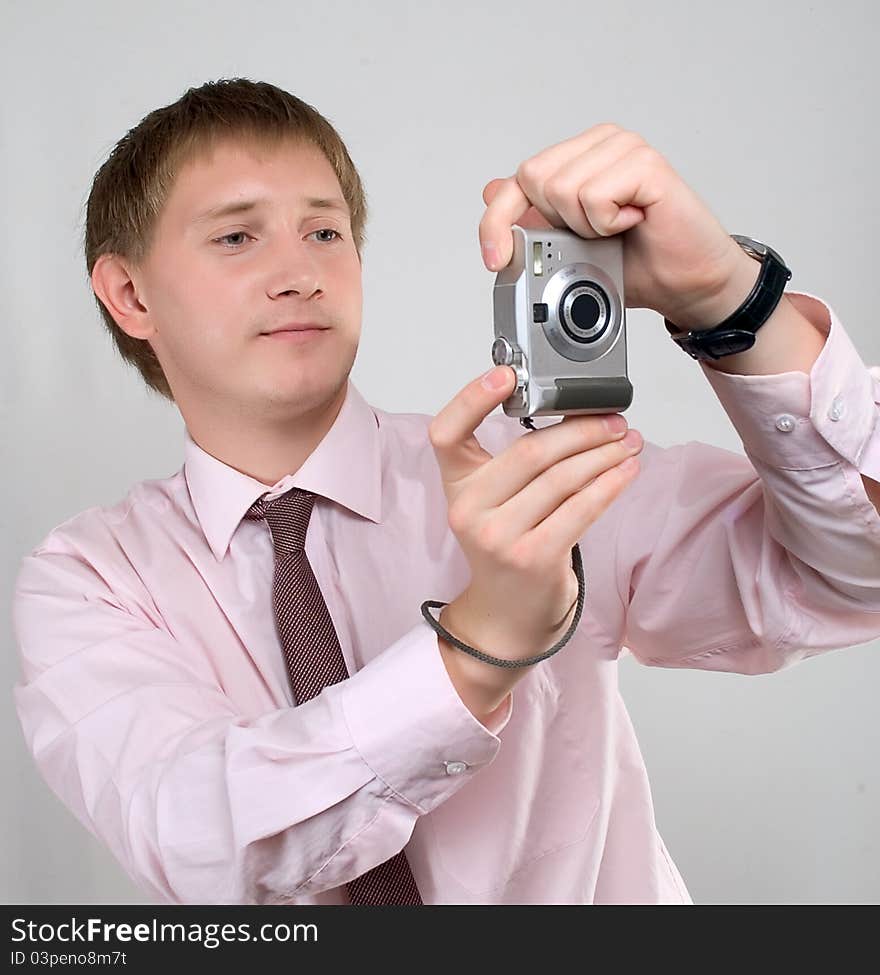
245	206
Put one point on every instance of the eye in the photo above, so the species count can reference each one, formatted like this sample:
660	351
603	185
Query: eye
241	233
237	233
330	230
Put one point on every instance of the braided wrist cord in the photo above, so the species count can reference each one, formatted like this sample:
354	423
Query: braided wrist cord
576	564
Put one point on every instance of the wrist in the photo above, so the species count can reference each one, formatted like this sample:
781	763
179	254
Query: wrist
720	301
482	688
516	633
483	680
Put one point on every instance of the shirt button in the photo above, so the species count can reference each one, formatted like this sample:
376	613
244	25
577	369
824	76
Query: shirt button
455	768
837	408
786	423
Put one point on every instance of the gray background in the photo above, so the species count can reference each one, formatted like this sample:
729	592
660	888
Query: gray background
766	788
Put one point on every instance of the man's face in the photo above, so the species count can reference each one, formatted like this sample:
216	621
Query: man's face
212	285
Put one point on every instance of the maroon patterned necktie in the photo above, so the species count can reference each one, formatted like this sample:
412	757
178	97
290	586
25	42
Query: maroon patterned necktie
314	657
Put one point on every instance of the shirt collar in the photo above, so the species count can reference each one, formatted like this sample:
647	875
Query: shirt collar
222	495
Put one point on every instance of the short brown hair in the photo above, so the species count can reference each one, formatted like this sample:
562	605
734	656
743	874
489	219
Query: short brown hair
132	186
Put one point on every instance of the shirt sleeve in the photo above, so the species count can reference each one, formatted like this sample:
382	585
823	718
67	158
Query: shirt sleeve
750	564
201	804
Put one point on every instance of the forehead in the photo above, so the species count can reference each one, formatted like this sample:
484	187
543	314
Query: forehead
238	170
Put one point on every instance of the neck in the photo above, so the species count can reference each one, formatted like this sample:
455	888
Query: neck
266	450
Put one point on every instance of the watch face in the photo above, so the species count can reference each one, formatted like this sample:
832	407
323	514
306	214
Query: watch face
752	247
757	249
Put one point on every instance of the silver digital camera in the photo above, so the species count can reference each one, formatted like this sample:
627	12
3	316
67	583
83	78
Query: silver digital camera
560	324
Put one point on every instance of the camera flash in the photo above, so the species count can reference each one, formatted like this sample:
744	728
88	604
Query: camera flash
538	258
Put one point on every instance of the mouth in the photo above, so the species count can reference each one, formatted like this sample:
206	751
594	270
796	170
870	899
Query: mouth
297	334
297	327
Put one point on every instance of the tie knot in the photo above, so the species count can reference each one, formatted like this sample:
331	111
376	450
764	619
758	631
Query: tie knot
288	518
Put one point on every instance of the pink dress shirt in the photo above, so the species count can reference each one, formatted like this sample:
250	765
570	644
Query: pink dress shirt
155	701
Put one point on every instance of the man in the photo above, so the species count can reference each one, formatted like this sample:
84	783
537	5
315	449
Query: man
226	676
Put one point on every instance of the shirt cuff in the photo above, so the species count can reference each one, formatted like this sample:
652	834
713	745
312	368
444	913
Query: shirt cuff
411	727
794	421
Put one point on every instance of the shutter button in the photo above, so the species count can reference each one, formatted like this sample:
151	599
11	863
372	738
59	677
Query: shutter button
785	423
455	768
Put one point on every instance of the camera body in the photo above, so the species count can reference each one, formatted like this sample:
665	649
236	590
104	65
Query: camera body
560	324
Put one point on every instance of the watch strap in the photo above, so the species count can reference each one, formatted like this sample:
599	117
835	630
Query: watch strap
736	333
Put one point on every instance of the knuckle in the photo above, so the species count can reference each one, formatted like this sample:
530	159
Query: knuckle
648	154
520	556
433	431
628	137
488	536
531	453
625	475
615	460
458	518
594	496
614	474
559	477
560	189
610	460
439	436
528	171
592	428
589	195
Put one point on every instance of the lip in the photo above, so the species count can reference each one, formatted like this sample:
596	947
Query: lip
298	335
297	327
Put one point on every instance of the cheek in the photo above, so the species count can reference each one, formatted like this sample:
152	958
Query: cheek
355	295
352	285
210	315
200	334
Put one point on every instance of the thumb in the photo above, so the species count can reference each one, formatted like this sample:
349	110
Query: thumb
452	429
499	381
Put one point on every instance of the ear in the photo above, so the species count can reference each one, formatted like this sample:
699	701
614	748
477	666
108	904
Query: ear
114	287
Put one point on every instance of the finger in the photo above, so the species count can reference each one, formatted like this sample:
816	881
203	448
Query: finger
533	173
509	205
562	188
538	176
554	178
616	198
565	527
513	205
555	156
490	189
531	218
546	493
452	430
532	454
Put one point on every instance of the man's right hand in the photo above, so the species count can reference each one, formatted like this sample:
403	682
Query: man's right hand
517	517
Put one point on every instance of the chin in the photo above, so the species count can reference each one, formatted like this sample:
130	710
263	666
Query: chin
313	392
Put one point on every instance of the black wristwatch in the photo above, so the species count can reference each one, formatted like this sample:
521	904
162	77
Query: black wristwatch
737	332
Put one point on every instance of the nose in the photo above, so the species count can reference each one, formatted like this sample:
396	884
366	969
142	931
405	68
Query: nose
294	269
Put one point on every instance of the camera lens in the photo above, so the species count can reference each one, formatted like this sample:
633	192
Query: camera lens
584	312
